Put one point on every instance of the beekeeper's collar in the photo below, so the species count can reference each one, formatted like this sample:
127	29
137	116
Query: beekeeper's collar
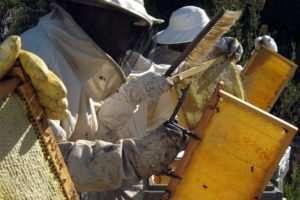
135	7
184	25
97	71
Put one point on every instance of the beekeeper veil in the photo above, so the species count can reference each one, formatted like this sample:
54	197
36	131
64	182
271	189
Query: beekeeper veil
122	28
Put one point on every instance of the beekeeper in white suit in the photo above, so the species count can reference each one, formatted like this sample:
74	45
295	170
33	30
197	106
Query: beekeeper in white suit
184	25
84	43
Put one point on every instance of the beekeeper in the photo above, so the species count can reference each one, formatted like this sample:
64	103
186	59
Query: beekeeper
184	25
84	43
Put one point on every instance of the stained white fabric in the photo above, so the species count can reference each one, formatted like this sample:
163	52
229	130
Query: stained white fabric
151	113
148	87
83	67
91	75
125	112
97	166
231	47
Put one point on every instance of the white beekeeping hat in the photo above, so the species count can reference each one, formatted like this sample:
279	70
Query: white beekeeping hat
134	7
184	25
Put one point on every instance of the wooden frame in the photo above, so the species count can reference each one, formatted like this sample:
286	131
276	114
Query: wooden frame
179	77
203	124
193	143
250	65
204	78
16	81
202	67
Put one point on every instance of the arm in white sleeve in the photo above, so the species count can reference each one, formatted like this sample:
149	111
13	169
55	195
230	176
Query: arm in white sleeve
116	110
98	166
58	132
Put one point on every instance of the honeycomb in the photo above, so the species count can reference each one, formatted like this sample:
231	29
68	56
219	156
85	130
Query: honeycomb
203	86
240	149
265	78
25	172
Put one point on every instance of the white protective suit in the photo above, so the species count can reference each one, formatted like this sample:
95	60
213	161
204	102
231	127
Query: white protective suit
90	75
150	114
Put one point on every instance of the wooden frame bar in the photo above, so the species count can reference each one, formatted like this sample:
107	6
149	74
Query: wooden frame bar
287	132
252	59
193	143
17	81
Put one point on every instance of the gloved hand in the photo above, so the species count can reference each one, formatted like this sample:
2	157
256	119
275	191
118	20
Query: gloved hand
147	87
267	41
163	144
106	166
9	52
114	112
230	47
50	89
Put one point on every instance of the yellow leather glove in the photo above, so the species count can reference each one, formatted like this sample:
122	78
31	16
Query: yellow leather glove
51	91
9	52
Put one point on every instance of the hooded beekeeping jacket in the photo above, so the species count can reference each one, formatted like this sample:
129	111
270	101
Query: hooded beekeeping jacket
90	76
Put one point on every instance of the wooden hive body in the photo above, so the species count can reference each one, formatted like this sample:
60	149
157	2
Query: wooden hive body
240	150
265	76
31	164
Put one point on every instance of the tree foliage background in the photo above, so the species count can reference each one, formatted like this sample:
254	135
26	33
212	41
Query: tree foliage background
16	16
273	17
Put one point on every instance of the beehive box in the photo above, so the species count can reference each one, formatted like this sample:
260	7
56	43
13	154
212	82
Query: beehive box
31	165
240	150
265	76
